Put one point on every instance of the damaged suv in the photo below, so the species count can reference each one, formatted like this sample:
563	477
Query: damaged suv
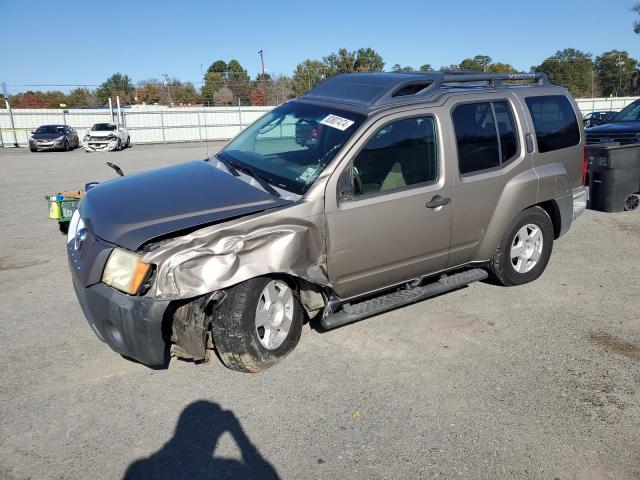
370	192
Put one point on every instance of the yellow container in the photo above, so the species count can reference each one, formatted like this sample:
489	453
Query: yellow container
55	211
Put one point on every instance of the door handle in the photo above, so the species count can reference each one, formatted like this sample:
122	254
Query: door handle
438	201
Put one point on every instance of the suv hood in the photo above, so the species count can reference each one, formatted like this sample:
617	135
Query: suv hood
616	127
133	210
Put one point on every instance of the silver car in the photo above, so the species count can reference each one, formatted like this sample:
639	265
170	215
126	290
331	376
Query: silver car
371	192
53	137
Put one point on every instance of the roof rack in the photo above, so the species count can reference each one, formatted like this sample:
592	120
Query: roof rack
378	89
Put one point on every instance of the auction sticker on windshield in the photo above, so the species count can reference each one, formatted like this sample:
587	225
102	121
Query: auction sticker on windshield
336	122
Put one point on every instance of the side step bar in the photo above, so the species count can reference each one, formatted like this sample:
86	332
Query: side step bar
367	308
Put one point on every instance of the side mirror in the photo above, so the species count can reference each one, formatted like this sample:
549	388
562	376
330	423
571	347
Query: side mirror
32	132
344	188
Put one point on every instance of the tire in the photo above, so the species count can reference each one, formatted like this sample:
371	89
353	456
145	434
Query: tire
119	145
128	144
33	149
632	202
535	247
240	344
66	146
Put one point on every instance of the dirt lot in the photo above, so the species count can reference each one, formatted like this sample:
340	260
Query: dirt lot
538	381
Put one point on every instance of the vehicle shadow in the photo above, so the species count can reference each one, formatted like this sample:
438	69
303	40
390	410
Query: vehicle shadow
190	453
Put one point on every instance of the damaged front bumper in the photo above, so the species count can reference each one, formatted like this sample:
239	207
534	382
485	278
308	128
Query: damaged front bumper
100	145
131	326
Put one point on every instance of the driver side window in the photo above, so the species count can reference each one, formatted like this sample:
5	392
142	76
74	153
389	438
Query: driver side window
399	155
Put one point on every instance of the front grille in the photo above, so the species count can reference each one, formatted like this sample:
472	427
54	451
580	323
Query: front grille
596	138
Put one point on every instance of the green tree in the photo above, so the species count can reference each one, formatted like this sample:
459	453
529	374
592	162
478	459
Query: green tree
239	83
479	63
450	68
116	85
219	66
571	69
368	60
307	75
616	73
341	62
426	68
636	24
501	68
81	97
213	82
399	68
184	93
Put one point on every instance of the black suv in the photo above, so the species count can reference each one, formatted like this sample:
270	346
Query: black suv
623	127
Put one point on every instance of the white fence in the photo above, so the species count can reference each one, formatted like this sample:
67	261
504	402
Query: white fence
157	124
160	124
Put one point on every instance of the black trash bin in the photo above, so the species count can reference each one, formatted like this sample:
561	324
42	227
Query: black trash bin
614	177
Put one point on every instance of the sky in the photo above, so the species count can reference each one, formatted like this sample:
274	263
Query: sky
84	42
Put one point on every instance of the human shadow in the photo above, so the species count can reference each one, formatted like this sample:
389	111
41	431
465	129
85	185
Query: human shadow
189	454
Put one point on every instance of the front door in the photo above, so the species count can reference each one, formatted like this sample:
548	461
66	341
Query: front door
395	223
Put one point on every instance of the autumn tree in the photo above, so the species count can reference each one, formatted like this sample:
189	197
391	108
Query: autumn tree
149	91
223	97
81	97
258	96
31	99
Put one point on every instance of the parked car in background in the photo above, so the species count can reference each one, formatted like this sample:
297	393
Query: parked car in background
597	118
351	218
106	137
53	137
623	128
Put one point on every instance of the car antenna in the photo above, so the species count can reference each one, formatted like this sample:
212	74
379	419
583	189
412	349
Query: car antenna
116	168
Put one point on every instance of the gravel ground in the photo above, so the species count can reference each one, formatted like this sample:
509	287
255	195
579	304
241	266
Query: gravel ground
538	381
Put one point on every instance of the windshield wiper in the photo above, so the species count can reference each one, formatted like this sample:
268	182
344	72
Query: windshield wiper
227	163
264	183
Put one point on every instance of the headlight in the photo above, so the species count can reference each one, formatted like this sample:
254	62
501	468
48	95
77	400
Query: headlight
86	137
125	271
60	138
112	137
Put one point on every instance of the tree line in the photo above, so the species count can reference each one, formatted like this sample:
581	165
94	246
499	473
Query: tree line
612	73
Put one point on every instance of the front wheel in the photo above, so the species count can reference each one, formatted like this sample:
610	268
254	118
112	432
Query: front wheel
258	324
525	249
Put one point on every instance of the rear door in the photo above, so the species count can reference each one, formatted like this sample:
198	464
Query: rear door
489	153
388	207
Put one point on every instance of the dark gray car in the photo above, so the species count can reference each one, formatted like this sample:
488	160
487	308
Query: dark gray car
53	137
371	192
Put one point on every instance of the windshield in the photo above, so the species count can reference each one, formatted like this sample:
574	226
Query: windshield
630	113
50	129
291	145
103	127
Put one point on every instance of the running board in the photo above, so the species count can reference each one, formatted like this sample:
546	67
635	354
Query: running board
367	308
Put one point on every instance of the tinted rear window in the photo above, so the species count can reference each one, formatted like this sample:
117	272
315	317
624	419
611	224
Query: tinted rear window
554	121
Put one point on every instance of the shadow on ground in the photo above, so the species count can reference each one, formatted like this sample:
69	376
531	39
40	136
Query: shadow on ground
190	453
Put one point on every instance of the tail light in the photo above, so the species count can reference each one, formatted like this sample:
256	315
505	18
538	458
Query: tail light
585	165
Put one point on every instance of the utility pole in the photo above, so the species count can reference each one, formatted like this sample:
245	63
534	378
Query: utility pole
166	84
261	53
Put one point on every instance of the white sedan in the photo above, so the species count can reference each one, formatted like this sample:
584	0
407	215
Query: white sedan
106	137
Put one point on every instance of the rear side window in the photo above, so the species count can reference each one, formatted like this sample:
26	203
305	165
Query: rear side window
554	121
485	135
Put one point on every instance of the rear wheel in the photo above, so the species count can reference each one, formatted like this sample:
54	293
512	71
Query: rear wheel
66	145
632	202
128	144
119	145
258	324
525	249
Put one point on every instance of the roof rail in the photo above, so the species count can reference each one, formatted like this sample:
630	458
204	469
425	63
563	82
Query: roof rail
494	78
377	89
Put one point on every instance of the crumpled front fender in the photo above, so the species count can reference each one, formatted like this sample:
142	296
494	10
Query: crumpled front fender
289	240
108	147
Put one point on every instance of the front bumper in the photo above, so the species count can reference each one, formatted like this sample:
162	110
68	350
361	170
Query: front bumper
130	325
100	145
48	145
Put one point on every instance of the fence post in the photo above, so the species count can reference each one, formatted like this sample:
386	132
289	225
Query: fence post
240	115
199	126
162	126
8	105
